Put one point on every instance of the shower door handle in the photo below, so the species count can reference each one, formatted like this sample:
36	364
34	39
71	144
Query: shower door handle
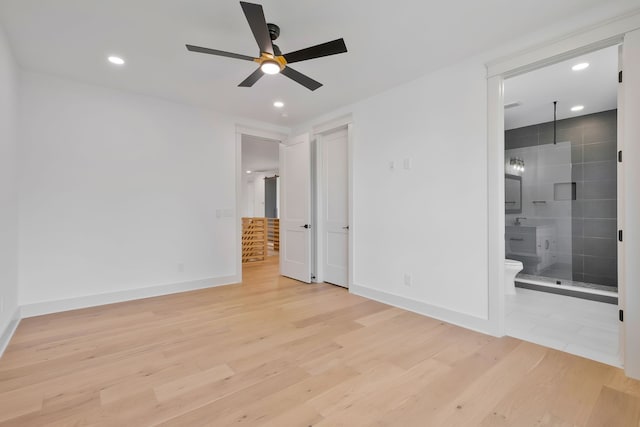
516	239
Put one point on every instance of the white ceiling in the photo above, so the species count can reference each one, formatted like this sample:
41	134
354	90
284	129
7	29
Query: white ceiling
596	88
389	42
259	154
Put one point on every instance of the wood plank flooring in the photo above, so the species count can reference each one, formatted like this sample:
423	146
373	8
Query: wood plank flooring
274	352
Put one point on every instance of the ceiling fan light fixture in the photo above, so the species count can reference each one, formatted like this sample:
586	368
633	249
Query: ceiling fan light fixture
270	67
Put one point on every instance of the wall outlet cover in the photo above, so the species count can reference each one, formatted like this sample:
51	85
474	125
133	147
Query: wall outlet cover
407	279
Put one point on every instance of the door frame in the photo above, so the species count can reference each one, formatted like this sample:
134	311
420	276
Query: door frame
259	133
608	34
318	132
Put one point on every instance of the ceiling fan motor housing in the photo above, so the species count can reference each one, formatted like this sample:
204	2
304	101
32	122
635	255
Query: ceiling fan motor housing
274	31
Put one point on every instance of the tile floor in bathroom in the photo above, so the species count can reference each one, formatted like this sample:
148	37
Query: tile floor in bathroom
577	326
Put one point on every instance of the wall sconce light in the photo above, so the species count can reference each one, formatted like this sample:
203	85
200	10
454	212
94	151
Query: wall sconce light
516	164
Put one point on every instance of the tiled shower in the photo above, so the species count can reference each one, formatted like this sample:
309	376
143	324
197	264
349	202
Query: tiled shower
564	228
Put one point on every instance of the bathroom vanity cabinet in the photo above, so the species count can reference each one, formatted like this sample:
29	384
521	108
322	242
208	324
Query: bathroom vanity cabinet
535	246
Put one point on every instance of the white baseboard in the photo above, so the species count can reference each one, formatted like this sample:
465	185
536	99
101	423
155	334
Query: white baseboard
7	334
459	319
56	306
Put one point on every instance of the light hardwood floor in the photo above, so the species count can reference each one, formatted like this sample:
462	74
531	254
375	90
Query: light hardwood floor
275	352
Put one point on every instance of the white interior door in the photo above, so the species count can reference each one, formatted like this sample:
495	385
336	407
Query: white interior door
295	209
335	208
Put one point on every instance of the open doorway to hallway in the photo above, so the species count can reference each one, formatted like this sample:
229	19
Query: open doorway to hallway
260	191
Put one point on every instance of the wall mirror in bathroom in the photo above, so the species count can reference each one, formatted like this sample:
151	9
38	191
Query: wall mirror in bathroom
512	194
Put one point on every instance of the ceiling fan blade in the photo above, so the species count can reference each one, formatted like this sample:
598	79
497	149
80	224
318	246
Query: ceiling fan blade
255	18
254	77
325	49
297	76
218	52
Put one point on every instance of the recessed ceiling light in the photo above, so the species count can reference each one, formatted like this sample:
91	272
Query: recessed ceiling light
580	66
116	60
278	104
248	171
577	108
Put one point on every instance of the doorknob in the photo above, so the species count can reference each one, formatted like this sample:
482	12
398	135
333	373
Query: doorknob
346	227
306	226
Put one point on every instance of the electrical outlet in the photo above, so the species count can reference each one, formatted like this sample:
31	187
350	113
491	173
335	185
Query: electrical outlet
407	163
407	279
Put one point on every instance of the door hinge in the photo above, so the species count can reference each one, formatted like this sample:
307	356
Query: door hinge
620	76
620	156
620	235
621	315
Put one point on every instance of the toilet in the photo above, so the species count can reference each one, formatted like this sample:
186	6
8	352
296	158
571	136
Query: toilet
511	268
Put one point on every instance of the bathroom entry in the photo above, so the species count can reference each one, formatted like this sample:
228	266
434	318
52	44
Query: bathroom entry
561	177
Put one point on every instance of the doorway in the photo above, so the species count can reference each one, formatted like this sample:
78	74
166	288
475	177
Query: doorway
258	192
560	213
313	202
560	159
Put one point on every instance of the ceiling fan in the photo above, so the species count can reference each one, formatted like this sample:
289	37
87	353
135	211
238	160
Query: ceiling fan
271	60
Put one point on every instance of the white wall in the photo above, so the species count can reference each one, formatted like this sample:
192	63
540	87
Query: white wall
121	192
255	192
429	221
8	187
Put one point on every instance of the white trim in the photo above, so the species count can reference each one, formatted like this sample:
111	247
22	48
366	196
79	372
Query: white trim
495	204
238	218
333	124
261	133
56	306
631	226
352	228
318	198
454	317
622	283
597	36
6	336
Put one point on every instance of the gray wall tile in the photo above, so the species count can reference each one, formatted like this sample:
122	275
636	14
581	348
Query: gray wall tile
606	228
600	171
598	247
596	266
599	209
600	151
599	190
